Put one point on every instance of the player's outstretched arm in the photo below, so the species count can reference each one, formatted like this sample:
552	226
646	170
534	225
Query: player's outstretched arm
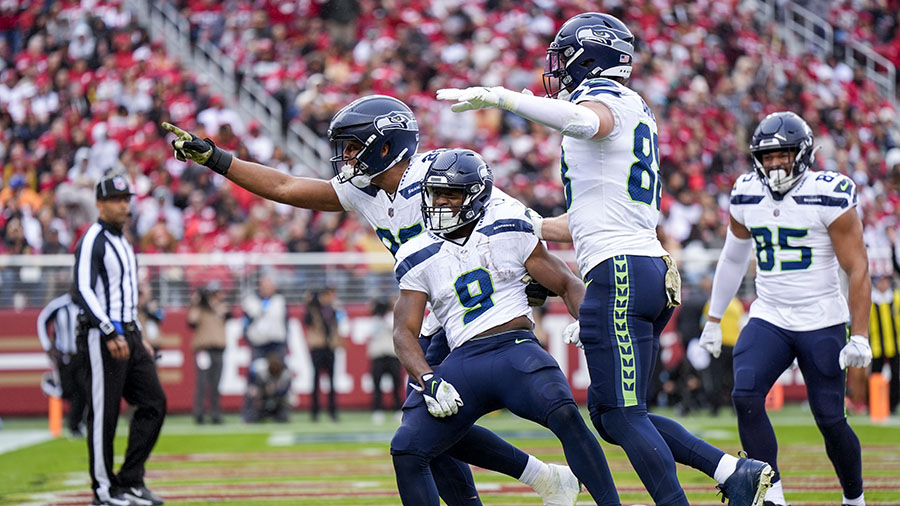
548	270
582	121
308	193
408	314
554	229
847	239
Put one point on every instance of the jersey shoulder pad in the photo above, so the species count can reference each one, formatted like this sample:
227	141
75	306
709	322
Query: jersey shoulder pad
415	252
747	189
594	88
833	188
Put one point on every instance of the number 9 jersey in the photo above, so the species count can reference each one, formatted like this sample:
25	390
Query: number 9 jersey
612	185
477	285
797	283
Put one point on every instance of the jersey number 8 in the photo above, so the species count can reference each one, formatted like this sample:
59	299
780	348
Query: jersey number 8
644	182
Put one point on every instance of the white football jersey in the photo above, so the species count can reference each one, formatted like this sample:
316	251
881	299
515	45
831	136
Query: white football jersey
396	218
612	185
478	285
797	283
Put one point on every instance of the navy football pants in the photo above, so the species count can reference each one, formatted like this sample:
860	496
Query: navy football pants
763	352
510	371
623	314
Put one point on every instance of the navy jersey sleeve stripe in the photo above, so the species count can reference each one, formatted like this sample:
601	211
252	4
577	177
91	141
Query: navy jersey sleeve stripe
507	225
746	199
411	190
821	200
417	258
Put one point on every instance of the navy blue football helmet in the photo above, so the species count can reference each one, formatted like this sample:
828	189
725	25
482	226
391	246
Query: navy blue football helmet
782	131
589	45
462	170
373	121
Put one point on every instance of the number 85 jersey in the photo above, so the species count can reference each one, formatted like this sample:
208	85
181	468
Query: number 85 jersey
475	286
797	281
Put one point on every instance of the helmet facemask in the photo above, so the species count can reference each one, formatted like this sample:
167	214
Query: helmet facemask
781	178
352	169
445	219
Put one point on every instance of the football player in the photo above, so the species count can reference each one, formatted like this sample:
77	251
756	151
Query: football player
804	225
375	139
610	173
469	267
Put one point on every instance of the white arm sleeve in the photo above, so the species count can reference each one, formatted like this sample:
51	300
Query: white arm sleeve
570	119
730	271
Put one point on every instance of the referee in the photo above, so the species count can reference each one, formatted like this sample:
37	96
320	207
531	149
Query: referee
68	363
120	361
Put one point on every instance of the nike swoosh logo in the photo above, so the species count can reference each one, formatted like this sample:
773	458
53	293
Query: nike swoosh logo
844	185
137	492
520	341
433	385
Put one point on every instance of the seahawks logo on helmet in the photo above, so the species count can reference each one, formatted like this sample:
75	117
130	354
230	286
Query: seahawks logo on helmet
595	33
396	120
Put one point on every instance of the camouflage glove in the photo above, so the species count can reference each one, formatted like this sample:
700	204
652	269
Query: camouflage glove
673	283
203	151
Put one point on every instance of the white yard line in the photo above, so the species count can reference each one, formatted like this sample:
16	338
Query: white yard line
14	439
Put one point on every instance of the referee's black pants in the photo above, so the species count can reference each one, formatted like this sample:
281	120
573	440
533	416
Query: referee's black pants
110	380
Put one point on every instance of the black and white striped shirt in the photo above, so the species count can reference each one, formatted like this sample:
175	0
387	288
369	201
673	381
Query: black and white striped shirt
63	312
106	276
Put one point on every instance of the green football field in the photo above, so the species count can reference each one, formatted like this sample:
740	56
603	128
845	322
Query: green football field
348	463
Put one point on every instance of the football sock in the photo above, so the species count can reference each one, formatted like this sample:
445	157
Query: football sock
583	453
726	468
532	469
842	447
688	449
481	447
859	501
647	451
775	494
757	434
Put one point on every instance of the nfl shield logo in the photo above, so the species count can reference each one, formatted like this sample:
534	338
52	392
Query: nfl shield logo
119	183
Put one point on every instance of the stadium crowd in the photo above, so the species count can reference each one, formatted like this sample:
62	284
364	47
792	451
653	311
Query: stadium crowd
83	89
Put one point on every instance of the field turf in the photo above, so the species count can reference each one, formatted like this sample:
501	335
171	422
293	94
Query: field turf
347	463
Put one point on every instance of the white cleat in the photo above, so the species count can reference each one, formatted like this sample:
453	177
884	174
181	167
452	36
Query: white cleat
557	486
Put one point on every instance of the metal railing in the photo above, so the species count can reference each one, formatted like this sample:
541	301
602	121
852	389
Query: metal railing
33	280
249	98
804	30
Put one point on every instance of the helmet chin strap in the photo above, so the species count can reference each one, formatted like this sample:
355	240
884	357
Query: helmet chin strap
359	180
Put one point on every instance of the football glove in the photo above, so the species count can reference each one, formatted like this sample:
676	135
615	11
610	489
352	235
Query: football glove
537	293
478	97
203	151
711	338
856	353
572	334
441	397
673	283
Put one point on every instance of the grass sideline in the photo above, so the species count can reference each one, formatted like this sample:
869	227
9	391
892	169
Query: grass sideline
347	463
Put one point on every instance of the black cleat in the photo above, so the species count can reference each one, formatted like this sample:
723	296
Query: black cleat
142	496
748	483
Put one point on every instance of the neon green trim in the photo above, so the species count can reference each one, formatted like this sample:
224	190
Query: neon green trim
623	336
